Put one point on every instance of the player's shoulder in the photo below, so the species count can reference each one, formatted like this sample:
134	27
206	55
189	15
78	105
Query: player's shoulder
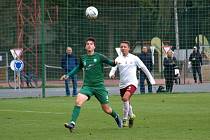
133	56
118	57
99	55
83	55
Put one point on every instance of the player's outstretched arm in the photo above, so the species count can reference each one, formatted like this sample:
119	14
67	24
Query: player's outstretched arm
112	72
107	61
141	65
72	72
64	77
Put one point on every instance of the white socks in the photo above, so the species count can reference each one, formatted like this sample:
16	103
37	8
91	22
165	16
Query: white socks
130	113
125	109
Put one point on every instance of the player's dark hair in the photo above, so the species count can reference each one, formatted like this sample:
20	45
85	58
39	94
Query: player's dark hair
91	39
127	42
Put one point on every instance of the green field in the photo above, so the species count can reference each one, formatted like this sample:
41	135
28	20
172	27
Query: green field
159	117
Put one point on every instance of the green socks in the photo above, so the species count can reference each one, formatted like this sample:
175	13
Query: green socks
76	111
75	114
113	114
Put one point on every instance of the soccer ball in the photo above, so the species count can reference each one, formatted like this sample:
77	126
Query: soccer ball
91	12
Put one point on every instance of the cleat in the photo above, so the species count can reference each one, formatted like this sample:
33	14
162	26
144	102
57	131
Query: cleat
131	120
70	126
125	123
118	121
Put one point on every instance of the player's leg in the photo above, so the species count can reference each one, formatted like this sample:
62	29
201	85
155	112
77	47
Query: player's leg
82	97
130	113
126	106
107	109
102	96
80	100
132	116
128	92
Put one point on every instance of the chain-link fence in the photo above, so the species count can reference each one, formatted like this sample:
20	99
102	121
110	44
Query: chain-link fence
159	25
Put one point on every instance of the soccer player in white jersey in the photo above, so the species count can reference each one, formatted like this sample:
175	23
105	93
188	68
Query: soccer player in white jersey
127	64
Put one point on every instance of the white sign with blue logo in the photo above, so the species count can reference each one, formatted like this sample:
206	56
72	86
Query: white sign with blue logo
17	65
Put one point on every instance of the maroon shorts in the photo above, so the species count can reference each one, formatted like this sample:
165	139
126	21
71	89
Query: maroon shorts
130	88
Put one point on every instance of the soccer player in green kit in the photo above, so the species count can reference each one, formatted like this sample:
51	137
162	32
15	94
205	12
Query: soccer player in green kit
93	84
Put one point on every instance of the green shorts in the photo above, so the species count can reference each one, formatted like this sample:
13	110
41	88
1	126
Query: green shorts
99	92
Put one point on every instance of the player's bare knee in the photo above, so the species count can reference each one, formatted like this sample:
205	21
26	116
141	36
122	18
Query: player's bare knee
125	98
80	100
106	109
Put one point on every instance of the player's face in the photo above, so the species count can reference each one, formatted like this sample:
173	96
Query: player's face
90	46
124	48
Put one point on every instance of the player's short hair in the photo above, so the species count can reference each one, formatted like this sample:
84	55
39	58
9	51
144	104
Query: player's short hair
126	42
91	39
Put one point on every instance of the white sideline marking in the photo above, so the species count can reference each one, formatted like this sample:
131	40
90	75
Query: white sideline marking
30	111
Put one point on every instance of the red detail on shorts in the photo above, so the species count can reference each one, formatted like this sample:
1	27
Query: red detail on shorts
130	88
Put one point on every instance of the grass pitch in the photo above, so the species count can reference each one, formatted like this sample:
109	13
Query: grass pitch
159	117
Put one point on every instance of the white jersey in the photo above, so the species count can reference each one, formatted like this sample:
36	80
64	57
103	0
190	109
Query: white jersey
127	66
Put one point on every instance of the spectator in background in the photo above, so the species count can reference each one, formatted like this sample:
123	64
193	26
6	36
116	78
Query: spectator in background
68	63
196	62
169	64
146	58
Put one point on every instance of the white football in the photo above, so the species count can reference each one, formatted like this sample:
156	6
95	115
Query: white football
91	12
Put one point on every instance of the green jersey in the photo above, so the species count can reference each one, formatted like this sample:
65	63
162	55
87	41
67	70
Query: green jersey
93	68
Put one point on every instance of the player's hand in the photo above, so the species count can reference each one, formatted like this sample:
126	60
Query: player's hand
112	77
117	62
64	77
